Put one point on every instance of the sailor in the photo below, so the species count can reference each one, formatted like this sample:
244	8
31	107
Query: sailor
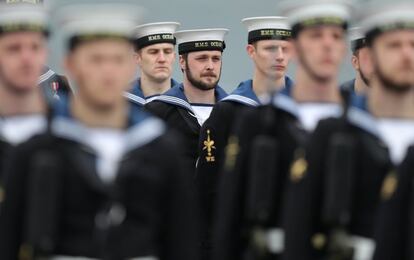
389	28
155	56
91	187
269	47
23	52
360	63
266	140
352	163
187	106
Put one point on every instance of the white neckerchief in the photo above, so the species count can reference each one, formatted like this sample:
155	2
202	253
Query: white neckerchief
398	135
18	129
109	145
202	112
311	113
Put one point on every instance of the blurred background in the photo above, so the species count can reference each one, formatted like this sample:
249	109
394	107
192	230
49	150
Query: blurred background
194	14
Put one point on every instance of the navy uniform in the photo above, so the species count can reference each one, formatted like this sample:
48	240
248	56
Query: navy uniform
92	193
216	130
15	129
333	191
350	165
146	35
264	137
54	85
173	106
253	192
145	211
394	226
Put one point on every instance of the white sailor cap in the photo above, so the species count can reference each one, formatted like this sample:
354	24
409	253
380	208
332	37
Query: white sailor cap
23	16
306	13
153	33
267	28
81	20
201	40
356	38
383	16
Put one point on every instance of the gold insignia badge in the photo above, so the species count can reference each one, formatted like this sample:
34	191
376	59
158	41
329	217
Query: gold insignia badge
232	150
318	241
299	166
26	252
389	185
209	146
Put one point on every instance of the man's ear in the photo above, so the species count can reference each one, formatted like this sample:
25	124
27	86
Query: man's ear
182	62
355	62
250	49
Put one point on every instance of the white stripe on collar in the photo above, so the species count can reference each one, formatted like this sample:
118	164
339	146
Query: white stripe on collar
241	99
144	132
134	98
286	103
47	75
137	136
363	120
175	100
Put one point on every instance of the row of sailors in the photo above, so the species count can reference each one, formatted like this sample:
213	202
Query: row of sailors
281	170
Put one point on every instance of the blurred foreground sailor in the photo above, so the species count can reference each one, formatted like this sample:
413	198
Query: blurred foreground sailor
53	85
266	140
390	35
360	62
187	106
91	187
270	50
354	162
23	53
155	55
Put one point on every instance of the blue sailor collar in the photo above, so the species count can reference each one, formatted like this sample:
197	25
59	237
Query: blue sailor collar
349	86
359	115
287	90
283	99
142	128
245	95
175	96
136	96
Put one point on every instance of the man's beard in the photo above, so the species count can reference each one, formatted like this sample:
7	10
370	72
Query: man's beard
390	84
364	78
198	83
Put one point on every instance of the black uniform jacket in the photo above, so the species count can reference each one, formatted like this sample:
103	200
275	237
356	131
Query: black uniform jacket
326	180
247	156
56	203
214	135
174	109
394	229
